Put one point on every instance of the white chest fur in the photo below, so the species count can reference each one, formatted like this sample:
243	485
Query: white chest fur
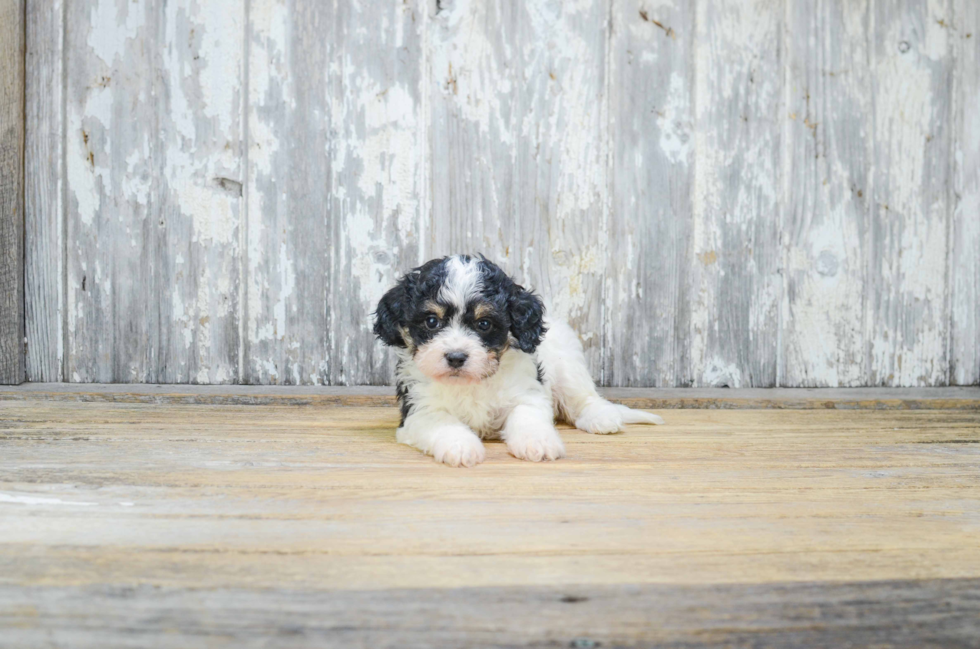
483	406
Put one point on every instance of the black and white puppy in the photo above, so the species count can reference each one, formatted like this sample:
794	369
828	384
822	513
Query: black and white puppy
477	359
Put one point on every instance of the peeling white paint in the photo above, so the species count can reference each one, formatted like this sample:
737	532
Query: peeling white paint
908	328
720	374
467	69
269	84
220	78
89	143
82	178
674	133
731	212
528	173
115	23
153	147
387	153
287	283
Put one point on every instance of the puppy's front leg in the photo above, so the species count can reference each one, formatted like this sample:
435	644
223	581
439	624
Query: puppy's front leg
530	433
442	436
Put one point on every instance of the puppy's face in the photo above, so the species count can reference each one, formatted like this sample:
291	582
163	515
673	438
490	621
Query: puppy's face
457	316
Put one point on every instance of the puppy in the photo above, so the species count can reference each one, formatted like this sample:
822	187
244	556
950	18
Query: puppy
477	359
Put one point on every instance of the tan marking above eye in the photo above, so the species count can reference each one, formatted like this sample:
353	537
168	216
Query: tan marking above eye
482	310
435	308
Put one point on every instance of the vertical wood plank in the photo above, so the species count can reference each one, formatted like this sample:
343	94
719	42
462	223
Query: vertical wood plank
109	132
828	183
153	147
907	316
736	284
44	271
965	231
335	179
647	310
518	136
12	191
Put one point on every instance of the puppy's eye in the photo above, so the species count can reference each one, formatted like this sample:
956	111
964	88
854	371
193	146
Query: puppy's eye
484	325
432	322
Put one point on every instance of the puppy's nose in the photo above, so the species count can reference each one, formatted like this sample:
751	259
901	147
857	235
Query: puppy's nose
456	359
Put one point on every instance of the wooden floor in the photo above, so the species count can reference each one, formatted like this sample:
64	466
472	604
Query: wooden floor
142	525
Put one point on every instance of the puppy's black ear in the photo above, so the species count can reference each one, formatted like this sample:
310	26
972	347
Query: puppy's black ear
526	313
391	316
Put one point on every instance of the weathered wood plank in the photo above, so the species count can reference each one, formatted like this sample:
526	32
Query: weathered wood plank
44	272
828	185
218	497
645	301
335	183
964	251
518	146
957	398
735	282
12	191
907	324
939	614
153	146
258	522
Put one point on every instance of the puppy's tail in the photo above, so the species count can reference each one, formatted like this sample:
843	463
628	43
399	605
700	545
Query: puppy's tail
631	416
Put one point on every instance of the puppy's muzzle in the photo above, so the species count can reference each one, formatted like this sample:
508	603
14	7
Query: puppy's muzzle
456	360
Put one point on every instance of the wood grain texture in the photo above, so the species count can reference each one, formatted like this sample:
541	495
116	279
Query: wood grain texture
335	179
735	283
926	614
12	191
647	306
154	173
907	318
518	146
964	251
726	523
828	128
44	171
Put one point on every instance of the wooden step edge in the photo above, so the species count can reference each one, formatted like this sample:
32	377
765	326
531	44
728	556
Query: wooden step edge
947	398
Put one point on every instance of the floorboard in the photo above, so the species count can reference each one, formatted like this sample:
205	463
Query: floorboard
174	525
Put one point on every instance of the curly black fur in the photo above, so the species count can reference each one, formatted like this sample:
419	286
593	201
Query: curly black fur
515	309
404	401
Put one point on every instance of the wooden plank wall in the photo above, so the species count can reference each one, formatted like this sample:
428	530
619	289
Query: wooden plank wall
715	193
12	192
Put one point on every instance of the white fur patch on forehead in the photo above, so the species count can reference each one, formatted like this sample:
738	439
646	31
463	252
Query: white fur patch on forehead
463	282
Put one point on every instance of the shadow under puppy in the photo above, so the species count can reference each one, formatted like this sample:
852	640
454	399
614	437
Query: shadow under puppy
477	358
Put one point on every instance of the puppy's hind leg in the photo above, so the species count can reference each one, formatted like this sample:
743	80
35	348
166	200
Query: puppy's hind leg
562	360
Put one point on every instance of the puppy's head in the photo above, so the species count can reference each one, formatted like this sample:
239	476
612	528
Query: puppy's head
457	316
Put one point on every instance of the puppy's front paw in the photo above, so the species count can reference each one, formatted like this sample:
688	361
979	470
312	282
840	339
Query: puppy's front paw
457	446
536	443
600	418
